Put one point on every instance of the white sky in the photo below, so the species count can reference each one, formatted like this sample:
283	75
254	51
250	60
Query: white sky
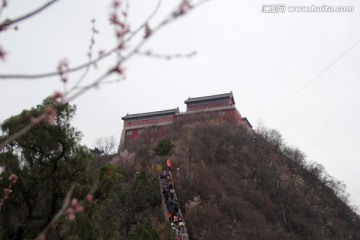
264	58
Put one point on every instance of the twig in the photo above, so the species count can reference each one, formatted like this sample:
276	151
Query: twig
166	56
105	83
74	204
3	5
171	17
5	24
132	34
53	74
59	213
283	211
87	69
81	66
22	131
86	88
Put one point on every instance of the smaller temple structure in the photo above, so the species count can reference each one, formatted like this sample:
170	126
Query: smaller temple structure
144	128
209	102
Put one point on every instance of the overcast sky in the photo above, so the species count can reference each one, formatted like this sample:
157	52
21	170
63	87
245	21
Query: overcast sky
270	61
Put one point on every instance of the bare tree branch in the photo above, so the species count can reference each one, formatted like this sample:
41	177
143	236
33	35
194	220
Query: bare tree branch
8	22
166	56
174	15
106	145
22	131
58	215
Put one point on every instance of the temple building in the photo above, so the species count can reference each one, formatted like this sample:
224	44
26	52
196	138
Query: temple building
149	127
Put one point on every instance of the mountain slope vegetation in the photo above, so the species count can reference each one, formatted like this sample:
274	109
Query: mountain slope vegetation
252	186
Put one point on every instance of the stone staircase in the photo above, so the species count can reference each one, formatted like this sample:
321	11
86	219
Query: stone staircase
171	207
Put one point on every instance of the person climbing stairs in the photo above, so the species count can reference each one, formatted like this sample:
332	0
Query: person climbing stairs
171	205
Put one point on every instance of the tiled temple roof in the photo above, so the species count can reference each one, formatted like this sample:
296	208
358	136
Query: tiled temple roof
212	97
151	114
